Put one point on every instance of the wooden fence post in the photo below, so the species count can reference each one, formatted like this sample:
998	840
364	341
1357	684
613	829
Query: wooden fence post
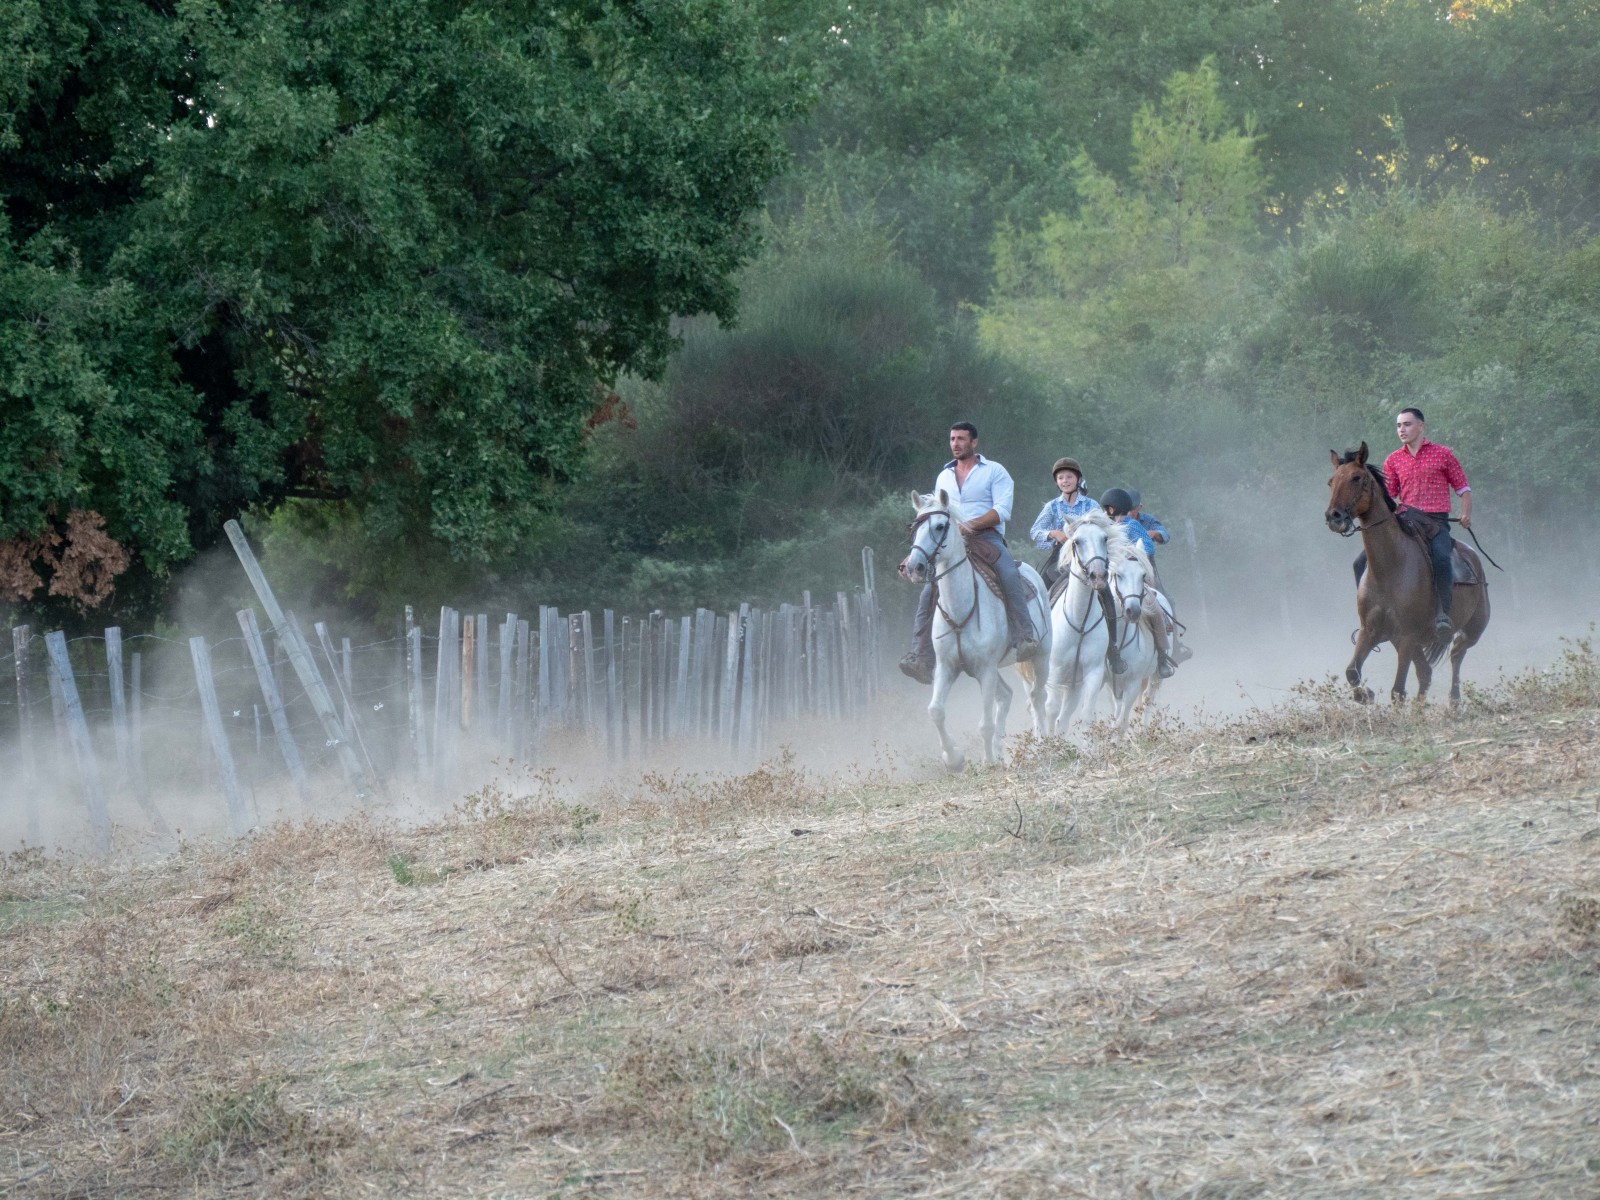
469	674
119	725
480	669
275	710
419	733
300	656
21	640
503	716
78	737
444	722
519	741
211	714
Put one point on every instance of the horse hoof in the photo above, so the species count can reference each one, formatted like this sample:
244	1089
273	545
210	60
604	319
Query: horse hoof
955	764
1363	695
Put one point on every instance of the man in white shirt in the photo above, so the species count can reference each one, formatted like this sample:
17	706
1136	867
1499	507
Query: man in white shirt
980	485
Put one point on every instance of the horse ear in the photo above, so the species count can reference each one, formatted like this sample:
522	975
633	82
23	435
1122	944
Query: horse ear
944	498
916	500
1334	454
1361	454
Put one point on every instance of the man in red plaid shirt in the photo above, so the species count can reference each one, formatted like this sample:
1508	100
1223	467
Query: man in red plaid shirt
1420	476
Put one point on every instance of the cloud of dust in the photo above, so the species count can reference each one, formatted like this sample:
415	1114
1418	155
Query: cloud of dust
1265	590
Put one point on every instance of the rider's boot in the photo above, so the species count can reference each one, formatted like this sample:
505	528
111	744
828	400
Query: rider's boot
918	664
1158	633
919	660
1113	655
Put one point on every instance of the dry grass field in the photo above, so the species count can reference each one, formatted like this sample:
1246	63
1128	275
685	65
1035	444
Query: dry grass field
1322	951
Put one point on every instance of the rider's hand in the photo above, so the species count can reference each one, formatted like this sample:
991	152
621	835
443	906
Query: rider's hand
1058	536
965	527
1466	522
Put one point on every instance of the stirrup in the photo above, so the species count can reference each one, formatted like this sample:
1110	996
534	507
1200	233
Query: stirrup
1114	661
1025	648
1181	653
1442	623
1165	666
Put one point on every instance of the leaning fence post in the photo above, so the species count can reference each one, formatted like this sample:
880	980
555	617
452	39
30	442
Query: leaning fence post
78	735
274	699
299	655
119	725
211	713
21	639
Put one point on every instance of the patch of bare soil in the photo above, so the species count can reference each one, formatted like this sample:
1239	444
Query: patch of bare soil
1322	951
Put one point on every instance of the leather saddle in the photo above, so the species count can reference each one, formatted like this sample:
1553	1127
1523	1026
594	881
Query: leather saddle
984	554
1463	568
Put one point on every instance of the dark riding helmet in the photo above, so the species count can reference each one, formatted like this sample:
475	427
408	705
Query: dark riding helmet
1117	501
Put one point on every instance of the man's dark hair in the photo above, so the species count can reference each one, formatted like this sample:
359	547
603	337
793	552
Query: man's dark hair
966	426
1415	412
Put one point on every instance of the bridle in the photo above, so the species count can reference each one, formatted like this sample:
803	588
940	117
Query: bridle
1361	519
938	594
937	546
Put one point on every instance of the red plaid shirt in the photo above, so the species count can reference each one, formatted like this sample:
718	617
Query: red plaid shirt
1425	479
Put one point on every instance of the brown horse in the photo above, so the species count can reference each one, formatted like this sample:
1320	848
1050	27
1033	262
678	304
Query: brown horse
1394	600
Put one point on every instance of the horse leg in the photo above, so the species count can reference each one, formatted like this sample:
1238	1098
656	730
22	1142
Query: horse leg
1366	639
1402	669
988	681
1471	630
1424	673
944	675
1036	679
1002	691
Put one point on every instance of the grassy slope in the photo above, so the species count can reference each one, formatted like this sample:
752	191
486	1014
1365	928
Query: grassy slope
1322	952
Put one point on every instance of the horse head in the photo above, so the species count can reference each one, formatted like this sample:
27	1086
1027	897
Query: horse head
1130	576
1085	553
931	528
1353	491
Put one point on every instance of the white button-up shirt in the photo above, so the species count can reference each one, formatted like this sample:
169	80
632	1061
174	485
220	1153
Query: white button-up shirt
988	486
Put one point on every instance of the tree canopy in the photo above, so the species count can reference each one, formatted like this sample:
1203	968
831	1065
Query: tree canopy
387	253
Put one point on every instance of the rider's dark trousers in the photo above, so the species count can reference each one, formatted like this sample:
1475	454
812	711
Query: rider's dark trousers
1005	568
1438	556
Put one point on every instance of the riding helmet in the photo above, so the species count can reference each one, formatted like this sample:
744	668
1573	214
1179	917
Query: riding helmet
1067	464
1117	500
1133	497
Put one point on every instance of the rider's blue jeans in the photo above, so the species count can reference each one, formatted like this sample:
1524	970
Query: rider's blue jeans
1010	583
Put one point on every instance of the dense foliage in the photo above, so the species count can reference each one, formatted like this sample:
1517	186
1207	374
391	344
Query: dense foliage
385	254
398	280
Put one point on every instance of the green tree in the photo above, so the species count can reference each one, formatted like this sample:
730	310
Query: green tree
1140	258
386	254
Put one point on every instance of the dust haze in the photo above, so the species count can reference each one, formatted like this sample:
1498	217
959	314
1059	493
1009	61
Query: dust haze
1267	596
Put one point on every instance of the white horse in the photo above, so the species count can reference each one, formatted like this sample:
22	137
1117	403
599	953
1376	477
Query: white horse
1078	636
1132	584
970	633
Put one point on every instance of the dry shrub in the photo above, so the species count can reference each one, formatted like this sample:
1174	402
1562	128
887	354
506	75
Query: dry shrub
502	823
695	800
81	559
69	1046
718	1101
1580	914
241	1121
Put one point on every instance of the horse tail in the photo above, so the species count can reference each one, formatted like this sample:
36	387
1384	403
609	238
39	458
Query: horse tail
1025	669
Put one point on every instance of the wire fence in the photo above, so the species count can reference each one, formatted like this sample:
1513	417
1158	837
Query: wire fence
277	714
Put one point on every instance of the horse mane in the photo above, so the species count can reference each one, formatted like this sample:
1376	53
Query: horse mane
930	500
1120	545
1095	516
1350	456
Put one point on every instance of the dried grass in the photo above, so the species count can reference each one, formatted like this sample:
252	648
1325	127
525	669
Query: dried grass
1321	951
